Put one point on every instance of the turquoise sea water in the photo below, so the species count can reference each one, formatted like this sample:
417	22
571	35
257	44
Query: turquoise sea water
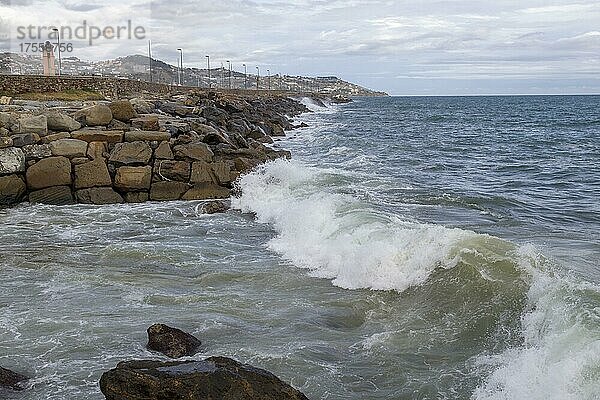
414	248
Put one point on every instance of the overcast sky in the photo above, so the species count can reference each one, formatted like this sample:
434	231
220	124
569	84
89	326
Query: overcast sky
403	47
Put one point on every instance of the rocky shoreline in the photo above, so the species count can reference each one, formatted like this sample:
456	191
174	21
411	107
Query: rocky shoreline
189	146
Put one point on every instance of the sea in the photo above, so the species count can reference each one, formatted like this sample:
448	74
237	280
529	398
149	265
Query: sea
412	248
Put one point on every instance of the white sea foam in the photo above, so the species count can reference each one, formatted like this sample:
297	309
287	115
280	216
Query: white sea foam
334	237
337	238
324	107
560	356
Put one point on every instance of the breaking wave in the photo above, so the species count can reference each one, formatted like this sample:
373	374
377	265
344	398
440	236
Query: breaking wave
340	238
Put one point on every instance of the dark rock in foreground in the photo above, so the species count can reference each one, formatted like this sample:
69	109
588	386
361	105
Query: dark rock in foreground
172	342
214	378
11	380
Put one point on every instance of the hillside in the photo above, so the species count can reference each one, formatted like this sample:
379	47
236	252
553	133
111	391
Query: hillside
137	67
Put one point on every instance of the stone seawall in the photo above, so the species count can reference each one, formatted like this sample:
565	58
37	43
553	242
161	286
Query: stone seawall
110	87
116	88
190	147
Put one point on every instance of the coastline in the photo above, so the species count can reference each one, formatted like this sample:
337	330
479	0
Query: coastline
179	147
189	146
247	283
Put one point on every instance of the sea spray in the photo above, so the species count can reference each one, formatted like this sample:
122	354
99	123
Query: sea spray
560	356
338	238
495	319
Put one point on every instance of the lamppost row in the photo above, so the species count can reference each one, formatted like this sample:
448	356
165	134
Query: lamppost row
180	67
229	68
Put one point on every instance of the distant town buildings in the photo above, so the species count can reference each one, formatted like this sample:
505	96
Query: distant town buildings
136	67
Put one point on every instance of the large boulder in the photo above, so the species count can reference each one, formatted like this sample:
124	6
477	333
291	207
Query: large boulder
176	109
146	123
202	172
142	106
7	120
97	115
93	135
176	126
276	129
11	380
55	136
69	148
36	151
62	123
92	174
163	151
172	342
205	191
56	195
25	139
222	171
100	196
131	153
167	191
194	152
122	110
12	189
130	179
214	378
12	160
37	125
150	136
215	115
52	171
169	170
96	150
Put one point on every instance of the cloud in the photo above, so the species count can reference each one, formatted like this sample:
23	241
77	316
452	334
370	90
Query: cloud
371	41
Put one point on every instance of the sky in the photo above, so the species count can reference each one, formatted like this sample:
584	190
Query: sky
451	47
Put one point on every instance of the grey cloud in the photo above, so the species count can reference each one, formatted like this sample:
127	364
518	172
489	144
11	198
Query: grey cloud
377	42
81	6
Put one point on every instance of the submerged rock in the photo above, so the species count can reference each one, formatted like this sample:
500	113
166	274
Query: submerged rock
11	380
214	207
172	342
214	378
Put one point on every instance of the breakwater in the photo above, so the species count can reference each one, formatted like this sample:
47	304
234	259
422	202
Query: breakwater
190	146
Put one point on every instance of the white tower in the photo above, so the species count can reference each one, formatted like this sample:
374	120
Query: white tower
48	59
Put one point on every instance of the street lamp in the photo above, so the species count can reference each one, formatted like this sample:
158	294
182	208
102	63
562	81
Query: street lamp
245	77
222	72
208	65
59	58
180	63
150	59
269	78
229	62
257	78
